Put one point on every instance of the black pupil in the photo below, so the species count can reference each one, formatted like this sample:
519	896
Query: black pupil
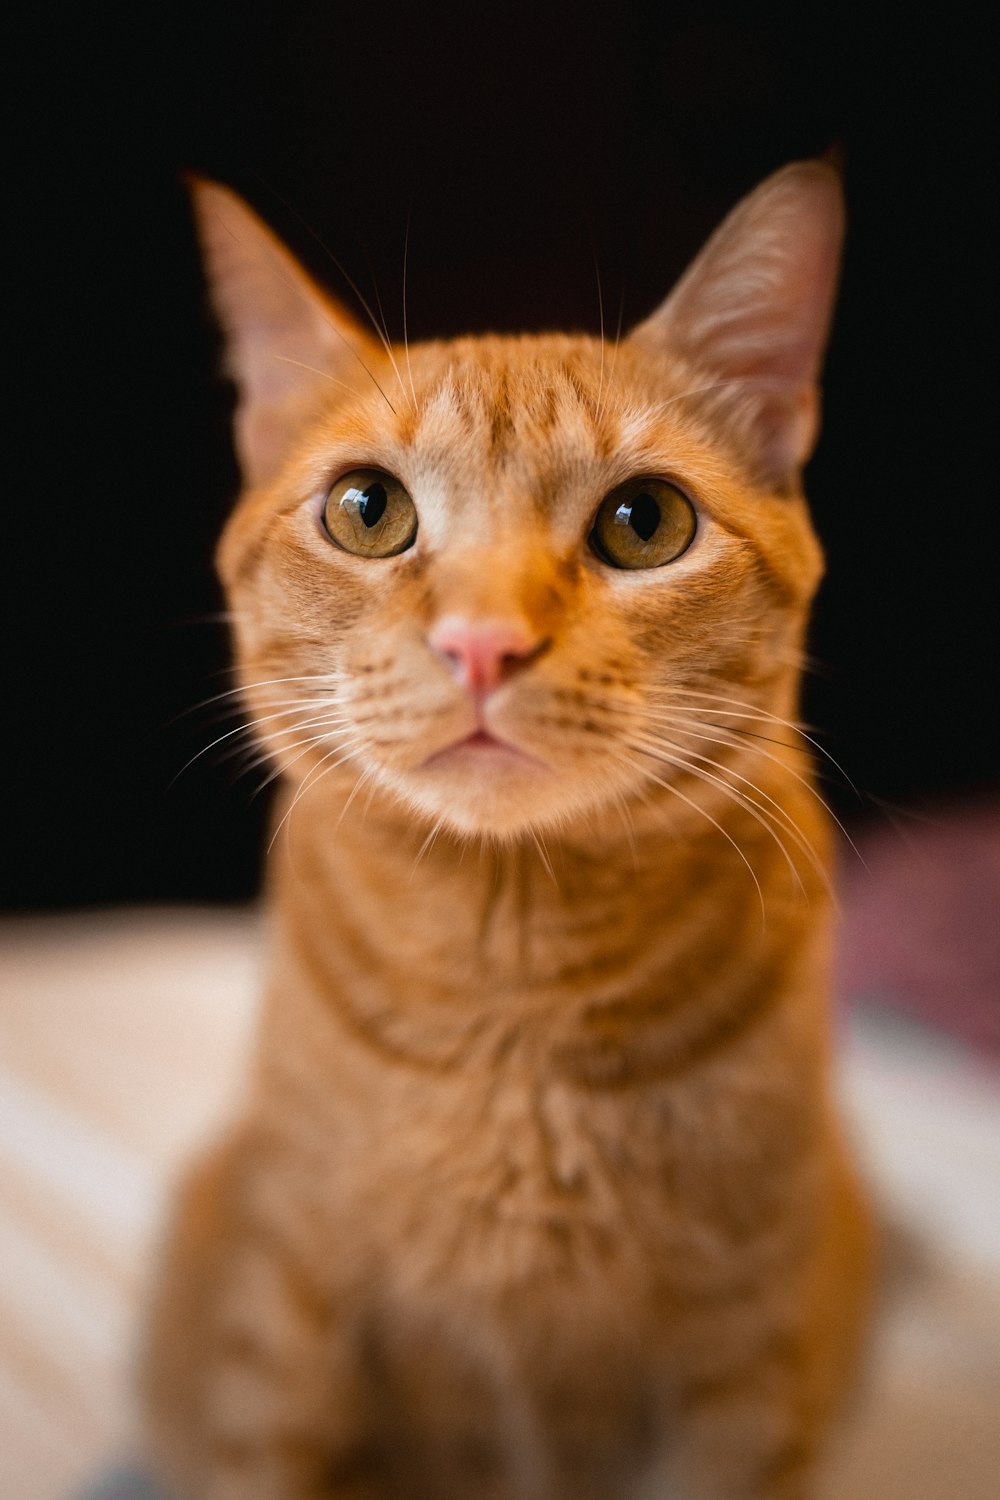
641	513
372	503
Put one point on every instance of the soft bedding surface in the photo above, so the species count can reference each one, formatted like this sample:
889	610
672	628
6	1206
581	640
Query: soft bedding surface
122	1038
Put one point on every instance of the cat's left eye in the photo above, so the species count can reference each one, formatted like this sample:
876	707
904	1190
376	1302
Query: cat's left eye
369	513
644	523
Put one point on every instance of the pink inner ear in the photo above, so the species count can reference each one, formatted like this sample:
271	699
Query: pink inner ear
755	305
787	425
285	338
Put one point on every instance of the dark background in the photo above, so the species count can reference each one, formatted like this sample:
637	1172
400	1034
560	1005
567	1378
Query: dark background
520	145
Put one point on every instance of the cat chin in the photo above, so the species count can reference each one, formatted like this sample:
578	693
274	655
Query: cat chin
498	797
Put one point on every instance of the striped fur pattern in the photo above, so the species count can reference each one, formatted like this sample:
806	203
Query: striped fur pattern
538	1190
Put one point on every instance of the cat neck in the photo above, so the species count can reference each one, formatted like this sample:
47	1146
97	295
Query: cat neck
440	949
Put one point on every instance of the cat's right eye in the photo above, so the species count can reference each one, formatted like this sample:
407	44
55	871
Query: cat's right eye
369	513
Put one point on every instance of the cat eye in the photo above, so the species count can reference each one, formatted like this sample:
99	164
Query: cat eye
370	514
644	523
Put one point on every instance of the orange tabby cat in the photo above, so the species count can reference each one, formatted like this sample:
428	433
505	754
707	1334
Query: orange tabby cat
538	1190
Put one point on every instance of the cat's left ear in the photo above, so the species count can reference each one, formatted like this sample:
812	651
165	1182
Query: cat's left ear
753	311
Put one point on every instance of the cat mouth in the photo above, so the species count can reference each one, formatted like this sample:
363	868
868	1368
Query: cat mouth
481	745
481	739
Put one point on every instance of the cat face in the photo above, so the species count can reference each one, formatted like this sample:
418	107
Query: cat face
513	582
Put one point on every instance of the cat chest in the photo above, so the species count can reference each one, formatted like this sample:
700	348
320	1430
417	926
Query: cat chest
523	1262
530	1257
502	1181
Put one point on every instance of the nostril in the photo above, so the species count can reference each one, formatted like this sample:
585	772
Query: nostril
513	661
485	653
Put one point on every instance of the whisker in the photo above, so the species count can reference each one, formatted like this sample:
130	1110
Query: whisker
755	734
741	710
380	329
780	815
297	291
749	804
241	729
306	745
625	812
759	713
775	760
386	343
333	678
617	342
287	705
284	359
367	775
696	807
600	313
258	753
315	775
406	337
207	617
427	845
543	855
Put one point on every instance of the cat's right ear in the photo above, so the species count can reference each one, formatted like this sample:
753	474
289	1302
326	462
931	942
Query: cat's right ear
285	338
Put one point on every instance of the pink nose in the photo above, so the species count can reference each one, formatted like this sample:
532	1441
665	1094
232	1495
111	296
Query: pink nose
483	653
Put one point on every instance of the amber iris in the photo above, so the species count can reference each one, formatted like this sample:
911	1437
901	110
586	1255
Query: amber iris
369	513
643	523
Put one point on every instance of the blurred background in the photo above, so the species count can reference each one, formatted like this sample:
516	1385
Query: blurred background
526	150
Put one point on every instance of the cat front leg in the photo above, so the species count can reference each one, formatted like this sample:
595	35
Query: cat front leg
757	1427
750	1438
251	1384
286	1423
747	1434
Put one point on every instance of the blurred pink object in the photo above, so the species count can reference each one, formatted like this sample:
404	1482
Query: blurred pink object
921	925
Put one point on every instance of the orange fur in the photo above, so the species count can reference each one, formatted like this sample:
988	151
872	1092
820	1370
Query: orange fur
539	1190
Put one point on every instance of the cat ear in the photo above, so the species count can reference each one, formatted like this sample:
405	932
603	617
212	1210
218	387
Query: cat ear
754	309
285	338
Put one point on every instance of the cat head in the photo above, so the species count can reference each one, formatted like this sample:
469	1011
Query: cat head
503	581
